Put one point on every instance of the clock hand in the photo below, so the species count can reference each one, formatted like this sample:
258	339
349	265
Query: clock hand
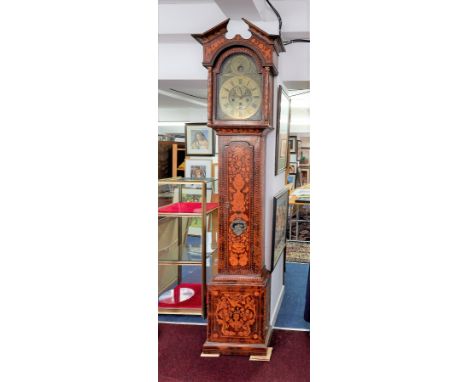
243	93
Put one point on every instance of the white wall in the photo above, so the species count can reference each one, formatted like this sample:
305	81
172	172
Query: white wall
181	61
274	184
294	64
185	114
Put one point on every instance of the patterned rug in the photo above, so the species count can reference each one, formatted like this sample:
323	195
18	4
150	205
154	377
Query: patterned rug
297	252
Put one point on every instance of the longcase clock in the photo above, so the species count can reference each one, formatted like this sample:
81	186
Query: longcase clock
240	105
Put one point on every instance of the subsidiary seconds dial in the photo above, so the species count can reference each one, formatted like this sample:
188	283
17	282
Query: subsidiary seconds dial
239	97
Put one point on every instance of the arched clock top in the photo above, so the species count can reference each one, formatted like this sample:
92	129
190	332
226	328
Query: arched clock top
238	86
226	55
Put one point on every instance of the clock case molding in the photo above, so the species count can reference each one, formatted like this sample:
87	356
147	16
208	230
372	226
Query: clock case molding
239	295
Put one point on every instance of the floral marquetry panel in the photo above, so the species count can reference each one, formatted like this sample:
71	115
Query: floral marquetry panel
240	185
241	198
237	314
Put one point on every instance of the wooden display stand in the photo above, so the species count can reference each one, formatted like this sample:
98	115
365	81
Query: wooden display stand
240	110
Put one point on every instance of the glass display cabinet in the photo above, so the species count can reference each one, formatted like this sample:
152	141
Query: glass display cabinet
188	243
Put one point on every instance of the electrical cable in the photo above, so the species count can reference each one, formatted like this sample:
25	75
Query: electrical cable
280	24
293	95
296	40
190	95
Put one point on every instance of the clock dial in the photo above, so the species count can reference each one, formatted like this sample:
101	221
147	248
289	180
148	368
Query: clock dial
239	90
239	97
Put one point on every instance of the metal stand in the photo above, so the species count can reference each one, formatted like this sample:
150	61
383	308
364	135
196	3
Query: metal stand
296	211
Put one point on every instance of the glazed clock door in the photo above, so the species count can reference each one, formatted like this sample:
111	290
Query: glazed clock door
239	90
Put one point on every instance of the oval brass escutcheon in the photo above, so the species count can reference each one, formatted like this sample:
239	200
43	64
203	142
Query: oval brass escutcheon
238	226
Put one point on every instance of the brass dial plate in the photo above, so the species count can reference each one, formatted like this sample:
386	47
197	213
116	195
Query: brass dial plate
240	97
239	89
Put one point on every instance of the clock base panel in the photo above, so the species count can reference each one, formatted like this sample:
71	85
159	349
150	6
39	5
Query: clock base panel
230	348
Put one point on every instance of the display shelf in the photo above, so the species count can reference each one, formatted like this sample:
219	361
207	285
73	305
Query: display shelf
186	209
187	257
188	181
183	296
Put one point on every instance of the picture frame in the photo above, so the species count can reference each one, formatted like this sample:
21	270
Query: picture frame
280	224
283	119
292	169
198	168
304	155
199	140
195	195
304	173
293	144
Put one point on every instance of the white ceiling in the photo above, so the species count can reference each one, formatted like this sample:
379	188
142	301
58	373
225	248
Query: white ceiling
185	1
180	70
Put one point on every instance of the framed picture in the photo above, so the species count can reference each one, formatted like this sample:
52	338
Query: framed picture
195	195
198	168
280	223
293	144
199	140
304	172
282	130
292	168
292	179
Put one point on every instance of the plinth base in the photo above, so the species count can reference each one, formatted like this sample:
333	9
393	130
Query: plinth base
232	348
254	358
238	315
